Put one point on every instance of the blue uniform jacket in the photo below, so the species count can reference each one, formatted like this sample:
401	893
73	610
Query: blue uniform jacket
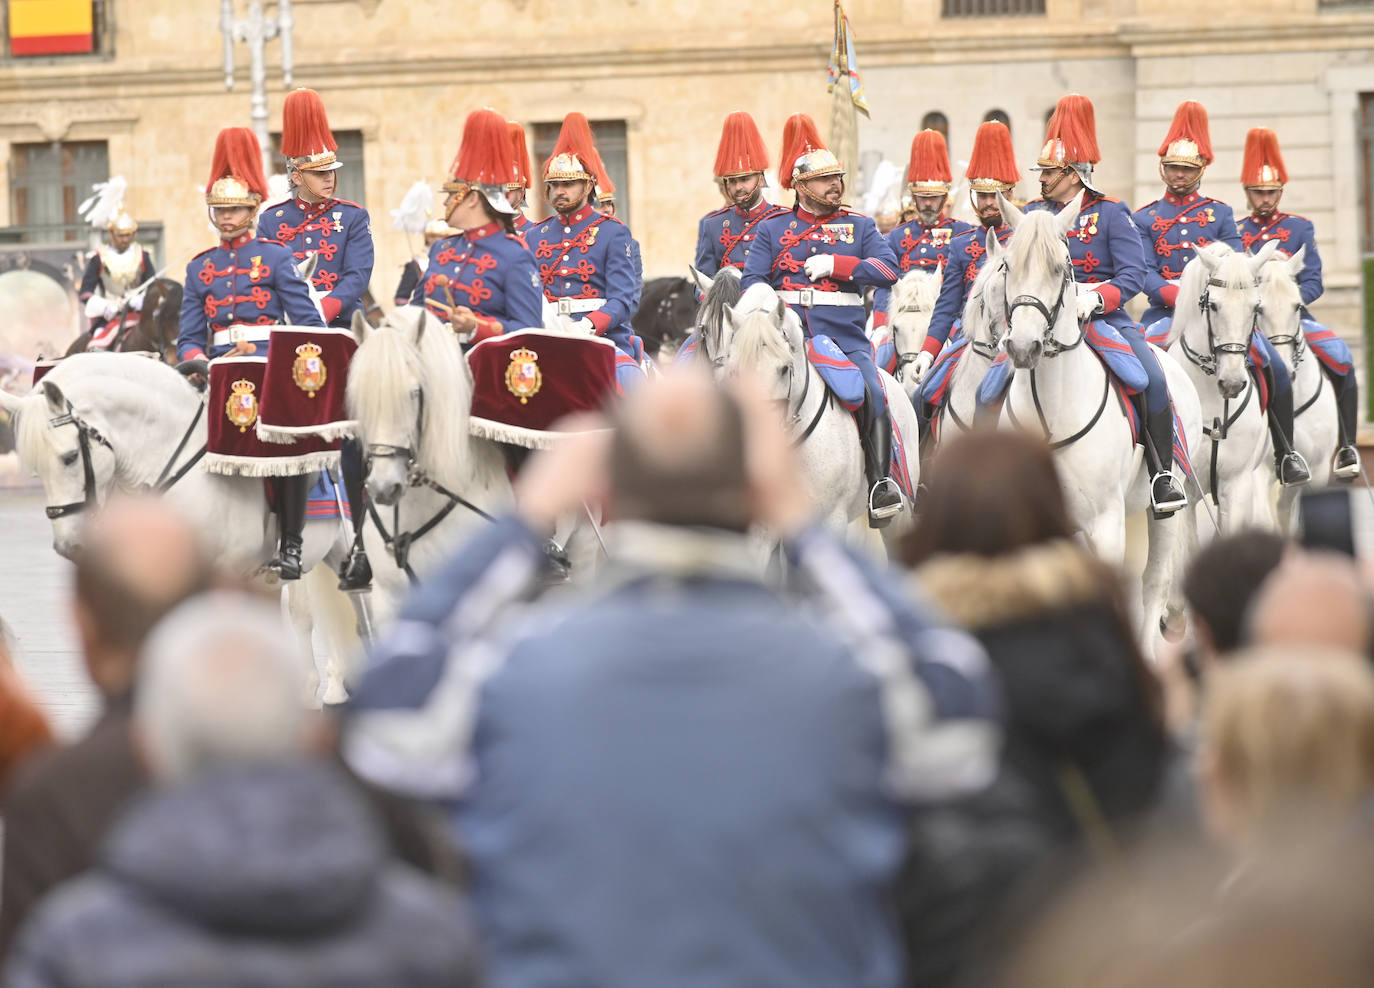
862	257
489	271
966	255
586	255
1171	231
725	236
247	281
1106	254
917	246
340	233
1292	232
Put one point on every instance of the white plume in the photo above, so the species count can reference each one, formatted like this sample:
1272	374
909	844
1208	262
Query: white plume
278	188
104	204
884	190
415	209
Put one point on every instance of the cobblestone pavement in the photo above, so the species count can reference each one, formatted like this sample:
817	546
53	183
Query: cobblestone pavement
34	594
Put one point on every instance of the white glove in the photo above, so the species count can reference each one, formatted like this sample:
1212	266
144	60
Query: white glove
1088	304
95	307
111	309
582	325
136	302
820	266
920	367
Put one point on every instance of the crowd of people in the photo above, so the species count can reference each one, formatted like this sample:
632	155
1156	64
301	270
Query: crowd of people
709	764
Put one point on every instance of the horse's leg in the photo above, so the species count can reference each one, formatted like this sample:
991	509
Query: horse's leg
1168	541
295	603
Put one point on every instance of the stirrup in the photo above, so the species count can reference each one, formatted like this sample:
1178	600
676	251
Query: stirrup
1298	475
1166	506
879	514
1347	466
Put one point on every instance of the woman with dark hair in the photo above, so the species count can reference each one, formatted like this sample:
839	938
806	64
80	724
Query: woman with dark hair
1085	745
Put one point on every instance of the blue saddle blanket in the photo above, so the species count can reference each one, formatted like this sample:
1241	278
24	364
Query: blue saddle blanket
325	497
845	381
935	387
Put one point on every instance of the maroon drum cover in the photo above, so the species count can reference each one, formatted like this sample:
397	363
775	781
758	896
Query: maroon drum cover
306	376
232	444
524	382
42	367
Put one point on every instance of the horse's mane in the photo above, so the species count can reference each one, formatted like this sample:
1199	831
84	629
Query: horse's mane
915	286
388	367
1037	241
975	306
1275	274
757	336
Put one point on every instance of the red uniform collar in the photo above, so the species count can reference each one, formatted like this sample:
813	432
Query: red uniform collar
316	207
749	214
1187	200
1274	217
577	216
807	217
238	241
486	230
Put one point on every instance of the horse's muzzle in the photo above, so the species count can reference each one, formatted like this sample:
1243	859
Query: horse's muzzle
1024	355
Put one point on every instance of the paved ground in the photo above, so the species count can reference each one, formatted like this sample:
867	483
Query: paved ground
34	590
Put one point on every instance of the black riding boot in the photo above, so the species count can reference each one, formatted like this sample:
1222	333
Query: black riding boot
1347	420
1289	466
1165	495
291	494
875	434
357	572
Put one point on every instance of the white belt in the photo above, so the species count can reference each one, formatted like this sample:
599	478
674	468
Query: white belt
813	296
241	334
564	306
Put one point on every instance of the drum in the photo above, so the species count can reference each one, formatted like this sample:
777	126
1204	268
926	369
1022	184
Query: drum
232	445
524	382
306	377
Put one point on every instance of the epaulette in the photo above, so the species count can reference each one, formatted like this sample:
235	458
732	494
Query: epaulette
717	212
1149	204
201	254
347	203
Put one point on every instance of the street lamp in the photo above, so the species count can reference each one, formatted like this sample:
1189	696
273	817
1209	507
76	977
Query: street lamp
257	29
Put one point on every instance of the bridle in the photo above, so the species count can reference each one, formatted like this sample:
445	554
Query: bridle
794	415
1296	339
1050	346
397	542
1207	362
87	435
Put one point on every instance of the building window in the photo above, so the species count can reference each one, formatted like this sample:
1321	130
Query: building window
935	120
612	144
992	8
49	28
352	182
47	183
1000	116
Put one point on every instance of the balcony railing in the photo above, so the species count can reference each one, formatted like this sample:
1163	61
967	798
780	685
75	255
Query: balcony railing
992	8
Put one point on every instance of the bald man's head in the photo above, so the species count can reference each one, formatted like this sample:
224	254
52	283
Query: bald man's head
1314	598
678	457
139	559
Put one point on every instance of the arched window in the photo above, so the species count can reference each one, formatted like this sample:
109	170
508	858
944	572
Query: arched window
935	120
1000	116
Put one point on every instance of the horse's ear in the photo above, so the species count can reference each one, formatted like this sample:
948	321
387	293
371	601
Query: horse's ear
421	323
994	246
360	326
702	281
728	318
780	313
1296	261
1262	257
9	404
1068	216
307	266
52	391
1011	215
1211	261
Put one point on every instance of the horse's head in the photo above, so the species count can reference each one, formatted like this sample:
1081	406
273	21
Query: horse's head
1041	313
1280	314
306	269
65	446
1223	289
722	292
985	310
387	396
910	309
766	342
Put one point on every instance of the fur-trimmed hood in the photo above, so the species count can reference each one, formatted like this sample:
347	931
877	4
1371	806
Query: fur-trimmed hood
978	591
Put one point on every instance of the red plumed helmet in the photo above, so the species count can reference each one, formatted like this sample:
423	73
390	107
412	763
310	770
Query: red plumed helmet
1263	167
1188	141
741	150
574	157
804	154
928	169
992	164
1071	136
305	135
520	155
484	156
236	177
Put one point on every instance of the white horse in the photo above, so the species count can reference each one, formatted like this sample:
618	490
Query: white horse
1316	429
765	337
984	323
410	391
105	422
909	309
718	293
1062	392
1216	313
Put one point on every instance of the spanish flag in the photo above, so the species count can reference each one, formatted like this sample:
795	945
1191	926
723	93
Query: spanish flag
50	27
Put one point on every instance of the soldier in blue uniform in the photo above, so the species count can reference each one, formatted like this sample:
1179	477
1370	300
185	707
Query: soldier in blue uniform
819	257
923	243
237	290
1109	267
603	201
1263	175
517	189
725	235
338	234
481	281
991	172
585	259
435	230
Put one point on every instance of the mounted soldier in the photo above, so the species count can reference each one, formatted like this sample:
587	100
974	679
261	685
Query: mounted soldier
116	274
518	188
1264	175
1109	268
923	243
435	230
725	235
235	293
480	281
585	259
819	257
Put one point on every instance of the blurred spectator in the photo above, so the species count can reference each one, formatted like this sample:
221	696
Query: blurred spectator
1085	748
1314	598
677	775
139	560
249	862
1221	583
23	728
